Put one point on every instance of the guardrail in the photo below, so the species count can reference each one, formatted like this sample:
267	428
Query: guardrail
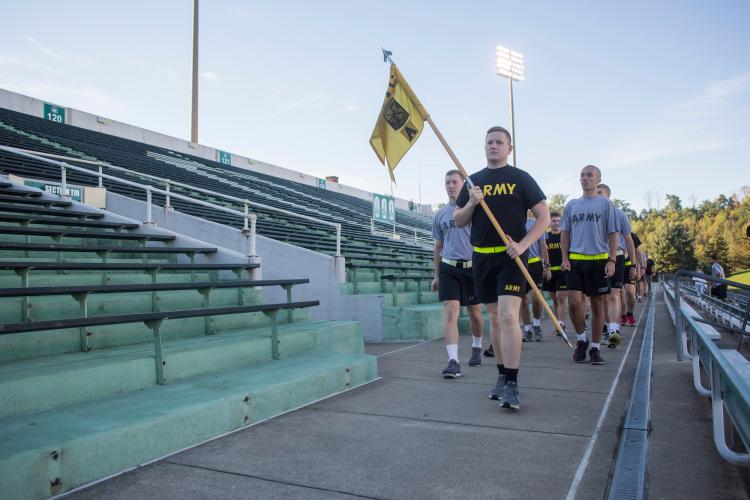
249	219
727	371
421	236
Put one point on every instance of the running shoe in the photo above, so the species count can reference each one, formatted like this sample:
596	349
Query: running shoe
614	339
527	335
579	356
509	396
631	320
596	357
476	356
453	369
496	391
489	352
624	320
538	333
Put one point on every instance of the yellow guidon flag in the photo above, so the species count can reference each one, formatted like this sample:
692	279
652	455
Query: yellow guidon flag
399	124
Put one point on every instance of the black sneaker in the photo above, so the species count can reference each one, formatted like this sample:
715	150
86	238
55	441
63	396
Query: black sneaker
453	369
489	352
538	333
496	391
476	356
509	396
595	356
527	335
579	356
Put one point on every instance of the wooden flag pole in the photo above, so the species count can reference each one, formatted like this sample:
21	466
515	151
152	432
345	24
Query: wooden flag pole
500	231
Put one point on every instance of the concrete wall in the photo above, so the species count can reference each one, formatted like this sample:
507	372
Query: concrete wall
35	107
278	260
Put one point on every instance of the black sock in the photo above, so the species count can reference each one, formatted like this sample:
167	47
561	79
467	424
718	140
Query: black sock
630	313
501	369
511	375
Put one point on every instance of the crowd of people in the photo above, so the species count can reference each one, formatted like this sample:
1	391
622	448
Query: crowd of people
587	258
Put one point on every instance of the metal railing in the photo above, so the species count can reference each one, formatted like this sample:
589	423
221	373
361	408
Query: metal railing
421	236
728	387
249	219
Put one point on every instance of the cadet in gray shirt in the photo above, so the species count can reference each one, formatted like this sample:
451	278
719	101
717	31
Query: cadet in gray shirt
538	266
589	246
454	278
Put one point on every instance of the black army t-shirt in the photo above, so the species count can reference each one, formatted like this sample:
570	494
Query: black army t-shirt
509	192
553	249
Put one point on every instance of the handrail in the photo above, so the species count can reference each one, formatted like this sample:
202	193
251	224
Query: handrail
246	215
727	388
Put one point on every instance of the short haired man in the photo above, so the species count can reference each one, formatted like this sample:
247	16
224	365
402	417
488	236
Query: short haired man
454	279
589	247
538	268
633	267
625	244
555	284
509	193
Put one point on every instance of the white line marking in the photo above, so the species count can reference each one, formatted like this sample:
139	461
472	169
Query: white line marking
590	448
406	348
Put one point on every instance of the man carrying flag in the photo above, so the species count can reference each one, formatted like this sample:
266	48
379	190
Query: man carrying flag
509	192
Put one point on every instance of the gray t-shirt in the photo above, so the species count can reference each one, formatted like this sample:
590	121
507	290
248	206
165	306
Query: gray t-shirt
716	270
590	221
623	225
535	250
456	240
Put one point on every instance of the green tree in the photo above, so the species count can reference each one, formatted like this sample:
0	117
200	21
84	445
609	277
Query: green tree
556	202
625	207
673	247
674	203
719	247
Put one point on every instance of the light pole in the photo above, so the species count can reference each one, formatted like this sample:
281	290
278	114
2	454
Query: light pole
194	92
510	65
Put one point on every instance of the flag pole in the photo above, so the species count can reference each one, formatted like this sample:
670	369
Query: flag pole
483	203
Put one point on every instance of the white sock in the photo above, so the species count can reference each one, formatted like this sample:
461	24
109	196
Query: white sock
613	327
526	328
595	345
452	351
476	341
537	321
581	337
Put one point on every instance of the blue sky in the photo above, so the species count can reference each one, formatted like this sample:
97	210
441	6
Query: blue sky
655	93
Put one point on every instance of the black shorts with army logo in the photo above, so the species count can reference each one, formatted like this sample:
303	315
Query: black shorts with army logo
496	274
456	283
588	276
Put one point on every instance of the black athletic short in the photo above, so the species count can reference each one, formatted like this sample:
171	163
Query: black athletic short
588	276
496	274
536	270
456	284
618	278
628	279
556	283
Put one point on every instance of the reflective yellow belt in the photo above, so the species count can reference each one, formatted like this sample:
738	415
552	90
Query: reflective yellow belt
490	249
534	259
554	268
580	256
628	263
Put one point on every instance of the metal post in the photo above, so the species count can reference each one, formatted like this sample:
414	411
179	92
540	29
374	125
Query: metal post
253	233
678	323
81	298
100	177
167	201
149	219
372	225
512	122
194	96
64	182
247	216
415	235
338	240
159	362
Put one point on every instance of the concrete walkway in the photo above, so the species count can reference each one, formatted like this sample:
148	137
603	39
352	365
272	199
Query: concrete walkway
413	434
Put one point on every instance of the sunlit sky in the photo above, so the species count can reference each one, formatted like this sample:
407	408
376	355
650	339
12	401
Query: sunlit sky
655	93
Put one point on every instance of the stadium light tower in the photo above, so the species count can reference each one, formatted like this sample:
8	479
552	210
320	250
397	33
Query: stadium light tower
194	96
510	65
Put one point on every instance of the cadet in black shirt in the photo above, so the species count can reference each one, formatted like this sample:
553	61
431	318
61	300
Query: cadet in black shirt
509	192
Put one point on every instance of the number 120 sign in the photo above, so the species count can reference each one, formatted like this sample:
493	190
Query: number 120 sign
54	113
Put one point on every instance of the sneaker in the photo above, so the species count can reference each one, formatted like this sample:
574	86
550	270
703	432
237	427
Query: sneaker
496	391
489	352
614	339
639	299
476	356
595	357
631	320
527	335
509	396
624	320
453	369
538	333
579	356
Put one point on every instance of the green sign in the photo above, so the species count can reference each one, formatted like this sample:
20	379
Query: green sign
54	113
224	157
383	208
322	183
75	193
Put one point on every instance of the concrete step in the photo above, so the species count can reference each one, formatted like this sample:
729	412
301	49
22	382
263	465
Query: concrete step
51	452
9	279
421	322
383	287
41	384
